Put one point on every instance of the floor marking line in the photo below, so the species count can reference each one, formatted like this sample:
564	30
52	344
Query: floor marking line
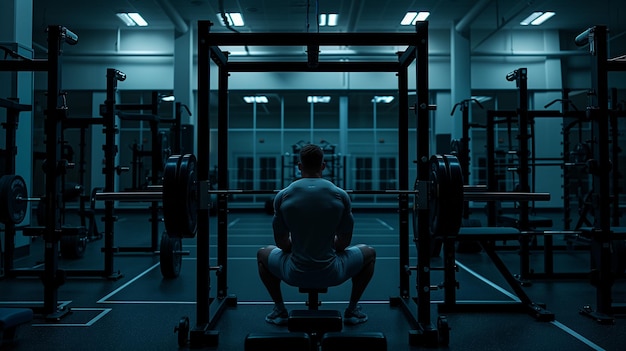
384	224
103	300
488	282
103	312
515	298
577	336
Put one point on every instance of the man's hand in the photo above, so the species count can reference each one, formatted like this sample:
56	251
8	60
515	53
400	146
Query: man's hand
341	244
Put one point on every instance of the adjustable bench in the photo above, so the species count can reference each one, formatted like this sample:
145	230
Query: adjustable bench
486	236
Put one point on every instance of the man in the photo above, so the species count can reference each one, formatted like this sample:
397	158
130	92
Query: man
312	229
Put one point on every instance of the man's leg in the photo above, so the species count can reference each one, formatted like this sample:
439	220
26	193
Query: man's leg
271	282
279	315
361	279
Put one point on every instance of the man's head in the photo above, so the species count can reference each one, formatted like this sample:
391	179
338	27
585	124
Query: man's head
311	160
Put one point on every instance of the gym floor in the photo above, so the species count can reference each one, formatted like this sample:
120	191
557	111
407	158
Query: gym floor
140	310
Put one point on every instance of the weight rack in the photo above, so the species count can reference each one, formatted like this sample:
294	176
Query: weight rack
423	331
52	277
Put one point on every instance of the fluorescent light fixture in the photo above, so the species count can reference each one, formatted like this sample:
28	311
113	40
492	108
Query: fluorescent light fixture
132	19
233	18
168	98
537	18
332	19
316	99
382	99
421	16
126	19
329	19
259	99
138	19
412	17
544	17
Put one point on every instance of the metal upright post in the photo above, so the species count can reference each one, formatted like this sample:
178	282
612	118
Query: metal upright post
222	181
110	150
403	177
600	171
52	276
203	280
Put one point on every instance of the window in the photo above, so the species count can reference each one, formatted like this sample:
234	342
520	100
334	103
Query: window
363	173
387	173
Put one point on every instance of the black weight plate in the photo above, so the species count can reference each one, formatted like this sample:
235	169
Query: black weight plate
183	331
439	179
188	196
443	331
454	196
73	246
171	258
446	200
618	259
12	210
4	200
171	213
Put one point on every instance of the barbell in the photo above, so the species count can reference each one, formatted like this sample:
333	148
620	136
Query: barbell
443	195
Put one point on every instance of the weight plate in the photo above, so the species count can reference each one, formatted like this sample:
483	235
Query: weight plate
188	196
183	331
170	194
454	196
617	250
171	257
74	246
446	198
443	331
439	180
12	210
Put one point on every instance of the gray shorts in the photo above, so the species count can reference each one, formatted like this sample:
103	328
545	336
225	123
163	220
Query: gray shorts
347	264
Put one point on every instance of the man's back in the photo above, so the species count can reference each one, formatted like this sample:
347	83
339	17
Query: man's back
313	210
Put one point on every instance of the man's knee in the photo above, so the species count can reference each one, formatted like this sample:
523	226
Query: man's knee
263	254
369	254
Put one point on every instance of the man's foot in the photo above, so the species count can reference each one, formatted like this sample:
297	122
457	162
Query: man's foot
354	316
278	316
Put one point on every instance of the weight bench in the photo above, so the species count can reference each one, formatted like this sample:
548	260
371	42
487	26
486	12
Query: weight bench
362	341
533	221
313	320
278	342
487	236
11	319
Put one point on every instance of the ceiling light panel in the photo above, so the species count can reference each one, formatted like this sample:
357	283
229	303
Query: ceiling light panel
328	19
411	17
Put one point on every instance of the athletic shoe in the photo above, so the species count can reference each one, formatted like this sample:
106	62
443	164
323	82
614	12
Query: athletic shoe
278	317
354	316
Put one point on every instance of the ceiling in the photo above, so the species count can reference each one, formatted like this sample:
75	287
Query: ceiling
354	15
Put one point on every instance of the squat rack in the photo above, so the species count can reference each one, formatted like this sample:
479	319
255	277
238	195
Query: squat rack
601	234
51	276
204	332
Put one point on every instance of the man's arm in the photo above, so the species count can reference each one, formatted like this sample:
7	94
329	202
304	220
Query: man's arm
343	237
281	232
